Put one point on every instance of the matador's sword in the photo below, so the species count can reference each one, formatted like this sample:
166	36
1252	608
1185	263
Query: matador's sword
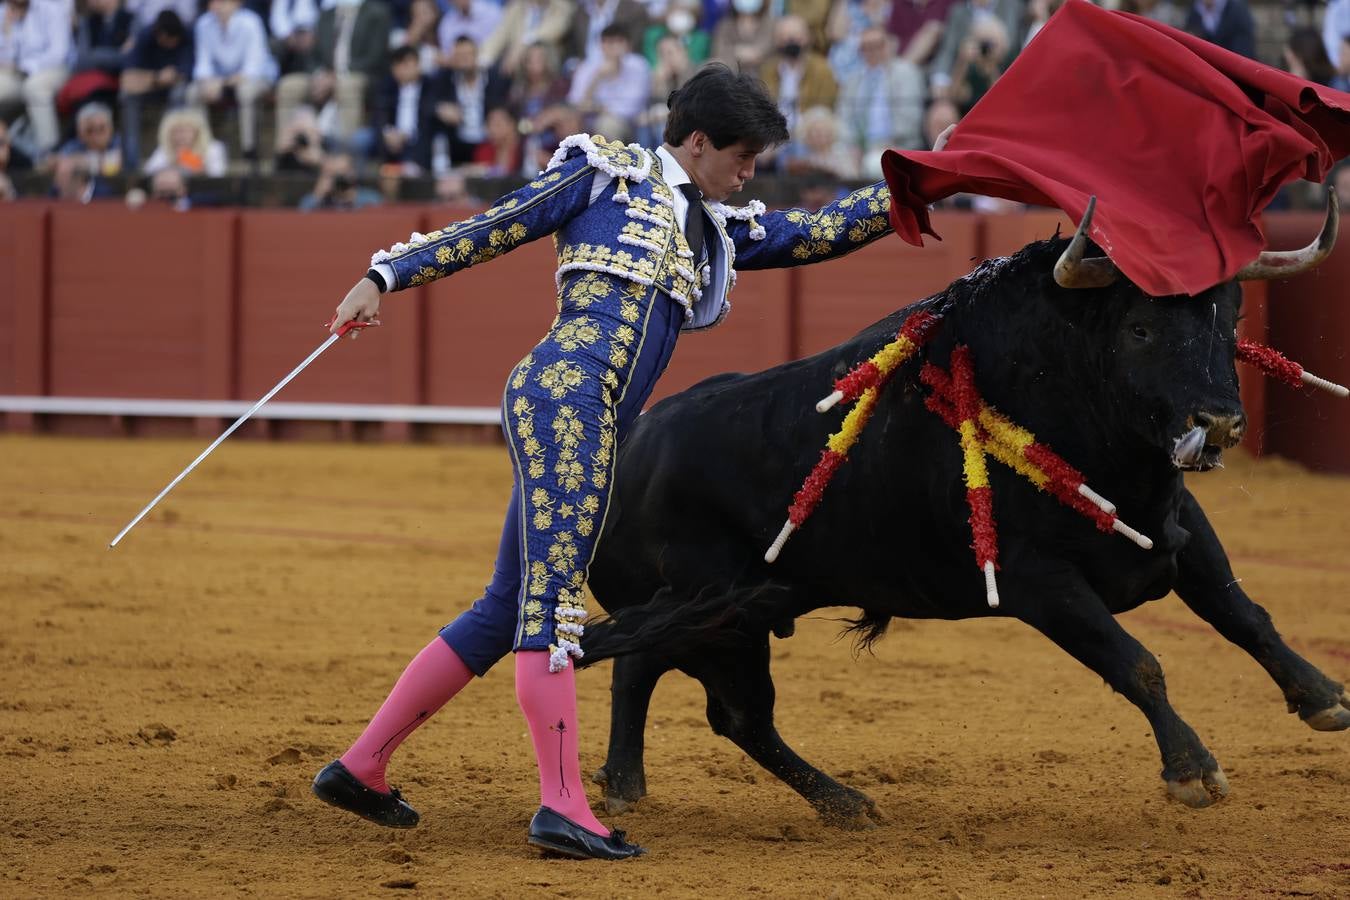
332	339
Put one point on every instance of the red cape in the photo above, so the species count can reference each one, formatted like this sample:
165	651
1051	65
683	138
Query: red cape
1182	142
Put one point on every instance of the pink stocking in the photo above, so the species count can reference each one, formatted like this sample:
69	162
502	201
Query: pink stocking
434	676
549	702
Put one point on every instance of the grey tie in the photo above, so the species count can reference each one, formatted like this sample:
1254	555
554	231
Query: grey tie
693	220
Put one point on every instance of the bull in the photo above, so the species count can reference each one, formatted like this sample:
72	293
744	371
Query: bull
1063	344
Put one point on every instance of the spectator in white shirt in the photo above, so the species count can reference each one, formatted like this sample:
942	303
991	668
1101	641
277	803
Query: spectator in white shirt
881	103
232	55
611	89
34	47
474	19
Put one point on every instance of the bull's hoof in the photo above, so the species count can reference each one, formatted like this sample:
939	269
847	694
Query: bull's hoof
617	806
617	801
851	811
1333	718
1198	793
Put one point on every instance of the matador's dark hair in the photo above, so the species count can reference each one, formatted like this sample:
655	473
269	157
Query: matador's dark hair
726	106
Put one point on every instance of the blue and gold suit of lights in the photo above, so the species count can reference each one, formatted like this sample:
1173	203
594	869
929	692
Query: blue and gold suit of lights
627	285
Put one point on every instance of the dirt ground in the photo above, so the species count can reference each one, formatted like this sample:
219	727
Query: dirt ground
164	705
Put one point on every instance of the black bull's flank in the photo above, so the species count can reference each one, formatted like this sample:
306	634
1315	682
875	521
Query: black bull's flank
1107	376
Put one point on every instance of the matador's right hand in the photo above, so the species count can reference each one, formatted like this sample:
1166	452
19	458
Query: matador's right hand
362	304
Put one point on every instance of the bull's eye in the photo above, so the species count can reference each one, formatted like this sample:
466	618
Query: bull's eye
1141	333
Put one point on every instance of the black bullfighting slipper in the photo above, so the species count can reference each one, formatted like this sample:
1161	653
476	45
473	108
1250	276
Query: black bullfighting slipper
338	787
556	833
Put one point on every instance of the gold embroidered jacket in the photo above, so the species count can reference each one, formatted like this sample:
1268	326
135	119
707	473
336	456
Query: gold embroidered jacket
630	230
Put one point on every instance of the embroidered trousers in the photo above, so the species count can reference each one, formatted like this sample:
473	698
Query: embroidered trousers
566	407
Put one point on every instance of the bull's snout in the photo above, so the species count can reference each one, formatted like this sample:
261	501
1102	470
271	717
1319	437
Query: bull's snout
1222	429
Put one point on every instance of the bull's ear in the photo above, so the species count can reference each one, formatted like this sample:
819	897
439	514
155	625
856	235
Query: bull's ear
1072	271
1287	263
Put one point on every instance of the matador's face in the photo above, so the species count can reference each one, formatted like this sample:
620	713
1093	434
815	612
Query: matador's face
721	173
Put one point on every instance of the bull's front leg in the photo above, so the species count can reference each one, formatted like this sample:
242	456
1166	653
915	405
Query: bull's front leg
1205	582
1074	617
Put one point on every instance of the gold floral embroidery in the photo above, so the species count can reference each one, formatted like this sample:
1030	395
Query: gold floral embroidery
581	332
545	180
588	289
560	378
425	275
534	617
563	552
825	229
538	578
522	372
866	228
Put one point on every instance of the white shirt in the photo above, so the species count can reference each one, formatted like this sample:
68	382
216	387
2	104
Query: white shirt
239	48
40	41
477	23
409	99
624	95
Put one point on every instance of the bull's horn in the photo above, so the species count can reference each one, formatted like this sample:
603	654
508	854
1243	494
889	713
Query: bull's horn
1072	271
1288	263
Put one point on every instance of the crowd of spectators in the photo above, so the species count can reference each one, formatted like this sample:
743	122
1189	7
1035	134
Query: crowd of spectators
94	93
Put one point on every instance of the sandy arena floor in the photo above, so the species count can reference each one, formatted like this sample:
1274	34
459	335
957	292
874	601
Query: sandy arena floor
164	705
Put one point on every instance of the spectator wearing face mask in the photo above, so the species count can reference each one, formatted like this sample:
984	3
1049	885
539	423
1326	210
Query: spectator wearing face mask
681	23
815	13
594	16
797	76
611	90
743	39
34	45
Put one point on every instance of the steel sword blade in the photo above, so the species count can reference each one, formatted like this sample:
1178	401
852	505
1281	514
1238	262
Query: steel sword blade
332	339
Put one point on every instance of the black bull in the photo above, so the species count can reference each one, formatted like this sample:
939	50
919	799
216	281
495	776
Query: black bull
1107	376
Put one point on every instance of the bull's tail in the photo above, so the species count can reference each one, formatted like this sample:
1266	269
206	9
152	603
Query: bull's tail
715	618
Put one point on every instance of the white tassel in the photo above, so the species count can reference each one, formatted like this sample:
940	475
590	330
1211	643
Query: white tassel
1121	528
990	585
1097	499
829	402
771	555
1330	387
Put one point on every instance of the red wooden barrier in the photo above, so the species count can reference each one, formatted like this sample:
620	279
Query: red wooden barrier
102	302
1310	323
